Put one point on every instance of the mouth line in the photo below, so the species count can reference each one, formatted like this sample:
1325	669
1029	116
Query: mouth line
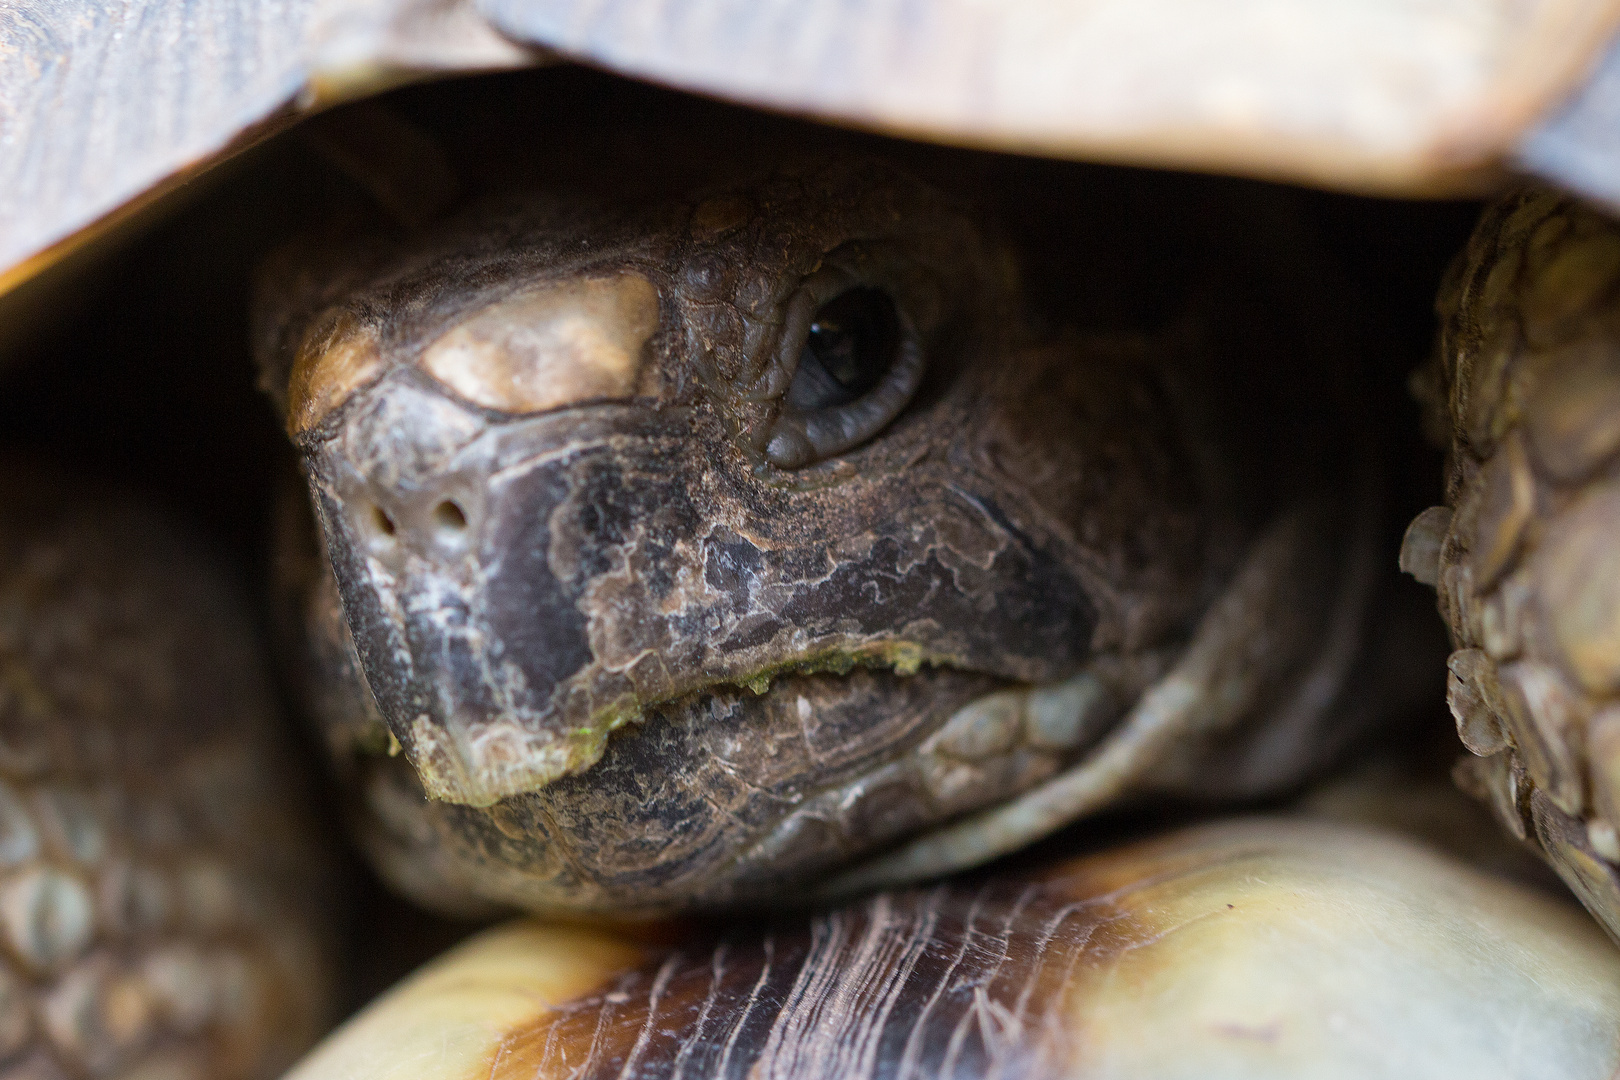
903	658
499	757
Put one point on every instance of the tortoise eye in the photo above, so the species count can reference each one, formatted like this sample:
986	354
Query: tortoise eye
859	363
851	345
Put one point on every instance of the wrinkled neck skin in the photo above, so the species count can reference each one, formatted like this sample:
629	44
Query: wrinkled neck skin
661	622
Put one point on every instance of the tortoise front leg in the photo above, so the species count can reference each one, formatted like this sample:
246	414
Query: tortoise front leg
166	903
1526	555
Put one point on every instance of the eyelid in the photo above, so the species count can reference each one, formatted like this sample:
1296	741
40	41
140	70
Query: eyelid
802	306
800	439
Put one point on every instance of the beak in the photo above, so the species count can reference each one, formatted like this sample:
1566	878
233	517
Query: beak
439	523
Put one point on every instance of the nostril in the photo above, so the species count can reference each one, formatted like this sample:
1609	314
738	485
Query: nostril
381	522
450	518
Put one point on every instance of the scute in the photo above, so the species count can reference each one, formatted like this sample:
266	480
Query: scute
1393	96
100	104
106	107
1248	949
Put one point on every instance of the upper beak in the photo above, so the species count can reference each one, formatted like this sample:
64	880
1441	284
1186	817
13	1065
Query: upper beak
438	523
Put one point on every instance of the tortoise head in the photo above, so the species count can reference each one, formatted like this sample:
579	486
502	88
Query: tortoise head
691	545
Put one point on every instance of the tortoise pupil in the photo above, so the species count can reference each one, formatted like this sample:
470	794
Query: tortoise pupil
851	346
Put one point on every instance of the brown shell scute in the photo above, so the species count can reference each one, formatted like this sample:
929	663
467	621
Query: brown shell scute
1529	571
160	891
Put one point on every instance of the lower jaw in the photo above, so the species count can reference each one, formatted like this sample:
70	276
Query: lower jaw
728	797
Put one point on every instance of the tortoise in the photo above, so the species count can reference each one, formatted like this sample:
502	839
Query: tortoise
746	531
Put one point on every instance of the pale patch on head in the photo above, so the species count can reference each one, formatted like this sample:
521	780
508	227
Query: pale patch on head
336	358
553	345
496	760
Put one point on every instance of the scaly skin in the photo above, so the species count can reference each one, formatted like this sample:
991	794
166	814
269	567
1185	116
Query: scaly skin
1527	563
165	904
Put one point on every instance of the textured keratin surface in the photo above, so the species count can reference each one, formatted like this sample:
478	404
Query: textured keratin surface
1252	950
101	103
161	900
1528	565
1368	94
